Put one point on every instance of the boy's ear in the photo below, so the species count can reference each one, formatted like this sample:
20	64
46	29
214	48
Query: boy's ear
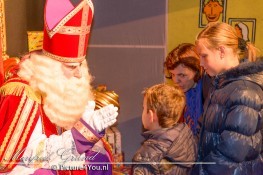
222	51
151	115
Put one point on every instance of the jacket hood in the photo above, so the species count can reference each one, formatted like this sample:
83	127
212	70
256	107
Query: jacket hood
250	71
180	146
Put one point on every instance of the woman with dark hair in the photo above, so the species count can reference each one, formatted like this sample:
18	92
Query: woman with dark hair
182	65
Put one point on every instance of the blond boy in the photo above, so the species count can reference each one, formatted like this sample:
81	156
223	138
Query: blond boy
169	147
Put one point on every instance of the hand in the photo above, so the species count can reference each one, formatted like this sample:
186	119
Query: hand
102	118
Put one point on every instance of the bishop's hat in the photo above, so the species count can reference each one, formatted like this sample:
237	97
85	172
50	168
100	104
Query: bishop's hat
67	26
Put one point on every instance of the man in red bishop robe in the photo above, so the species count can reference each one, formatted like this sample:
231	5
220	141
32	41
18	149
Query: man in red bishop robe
48	124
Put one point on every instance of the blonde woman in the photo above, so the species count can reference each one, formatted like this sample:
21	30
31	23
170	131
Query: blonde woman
230	141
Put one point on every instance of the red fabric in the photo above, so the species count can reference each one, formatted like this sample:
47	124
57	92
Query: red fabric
49	128
8	109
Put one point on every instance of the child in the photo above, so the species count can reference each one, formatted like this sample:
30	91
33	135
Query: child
230	135
169	147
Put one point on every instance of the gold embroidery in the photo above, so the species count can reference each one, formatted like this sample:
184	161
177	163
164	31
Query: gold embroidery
19	129
86	132
27	128
10	129
51	33
63	59
72	30
17	88
91	6
82	38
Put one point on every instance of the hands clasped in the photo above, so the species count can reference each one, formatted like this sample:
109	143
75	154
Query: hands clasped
102	118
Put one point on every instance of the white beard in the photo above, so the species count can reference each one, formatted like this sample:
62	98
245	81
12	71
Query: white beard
64	99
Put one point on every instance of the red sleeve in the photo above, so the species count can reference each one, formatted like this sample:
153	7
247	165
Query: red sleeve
19	111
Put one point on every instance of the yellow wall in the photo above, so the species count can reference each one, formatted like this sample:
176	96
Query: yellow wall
184	15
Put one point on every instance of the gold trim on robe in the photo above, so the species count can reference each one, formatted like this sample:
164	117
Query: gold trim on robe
22	122
17	88
86	132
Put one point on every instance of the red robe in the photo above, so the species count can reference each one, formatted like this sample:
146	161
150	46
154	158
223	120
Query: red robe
19	112
20	109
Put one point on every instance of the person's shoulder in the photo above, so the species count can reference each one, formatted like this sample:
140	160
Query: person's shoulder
12	86
148	145
147	151
185	136
181	127
244	92
19	87
16	79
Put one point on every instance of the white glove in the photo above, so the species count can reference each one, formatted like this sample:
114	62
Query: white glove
100	119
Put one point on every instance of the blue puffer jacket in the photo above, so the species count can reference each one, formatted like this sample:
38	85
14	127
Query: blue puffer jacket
231	140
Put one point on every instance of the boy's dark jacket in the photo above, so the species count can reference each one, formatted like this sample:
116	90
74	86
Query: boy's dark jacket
165	146
231	135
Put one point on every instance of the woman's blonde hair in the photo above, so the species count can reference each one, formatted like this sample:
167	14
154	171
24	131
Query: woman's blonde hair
167	101
216	34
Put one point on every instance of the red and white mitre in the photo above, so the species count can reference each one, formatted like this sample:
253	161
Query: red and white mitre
67	26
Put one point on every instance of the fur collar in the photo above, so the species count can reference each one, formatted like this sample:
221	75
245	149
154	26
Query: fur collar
251	71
